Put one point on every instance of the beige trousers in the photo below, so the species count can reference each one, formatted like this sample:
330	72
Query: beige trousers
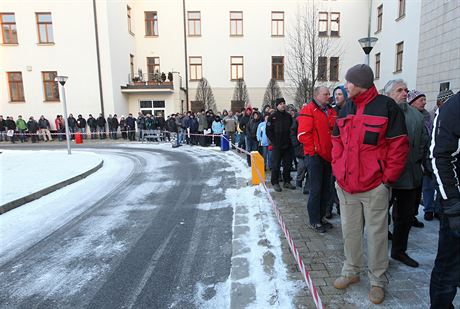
367	210
46	133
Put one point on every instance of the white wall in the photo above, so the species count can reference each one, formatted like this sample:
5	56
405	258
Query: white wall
73	54
393	31
439	56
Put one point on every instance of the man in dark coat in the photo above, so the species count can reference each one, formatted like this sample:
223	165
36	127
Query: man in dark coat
2	129
81	125
131	127
278	131
445	161
32	128
72	122
92	124
11	126
101	126
114	127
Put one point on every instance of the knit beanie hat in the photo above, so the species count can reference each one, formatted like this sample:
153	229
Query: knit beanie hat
279	101
344	91
360	75
445	95
413	95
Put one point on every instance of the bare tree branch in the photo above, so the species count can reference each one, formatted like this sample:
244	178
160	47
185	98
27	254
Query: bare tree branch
305	45
240	93
272	92
205	95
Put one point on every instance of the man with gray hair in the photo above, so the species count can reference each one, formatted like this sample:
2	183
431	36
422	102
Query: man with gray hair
370	148
408	186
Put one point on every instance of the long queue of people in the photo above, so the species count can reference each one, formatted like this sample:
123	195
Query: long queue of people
370	154
364	152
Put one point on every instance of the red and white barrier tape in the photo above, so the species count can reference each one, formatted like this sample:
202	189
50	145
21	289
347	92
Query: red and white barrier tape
295	252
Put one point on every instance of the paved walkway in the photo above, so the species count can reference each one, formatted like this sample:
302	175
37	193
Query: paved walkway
323	255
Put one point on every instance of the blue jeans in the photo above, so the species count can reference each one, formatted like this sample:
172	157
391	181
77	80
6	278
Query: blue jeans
445	276
22	136
251	145
181	136
265	156
83	132
430	204
320	187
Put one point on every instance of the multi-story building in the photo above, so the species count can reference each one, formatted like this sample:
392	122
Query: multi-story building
114	52
418	41
438	53
396	25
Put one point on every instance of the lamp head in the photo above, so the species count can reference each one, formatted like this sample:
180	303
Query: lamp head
367	44
61	79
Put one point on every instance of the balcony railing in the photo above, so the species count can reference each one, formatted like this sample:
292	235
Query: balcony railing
147	81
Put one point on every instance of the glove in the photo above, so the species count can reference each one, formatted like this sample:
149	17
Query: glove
451	209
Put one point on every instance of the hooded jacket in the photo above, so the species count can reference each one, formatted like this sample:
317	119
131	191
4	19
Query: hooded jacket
315	129
370	143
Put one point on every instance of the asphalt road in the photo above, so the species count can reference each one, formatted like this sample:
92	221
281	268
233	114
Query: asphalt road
160	251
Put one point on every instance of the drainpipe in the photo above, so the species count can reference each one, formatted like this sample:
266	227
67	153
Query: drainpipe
186	56
98	59
370	19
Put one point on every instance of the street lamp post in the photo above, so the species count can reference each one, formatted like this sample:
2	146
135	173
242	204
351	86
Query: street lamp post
367	44
62	80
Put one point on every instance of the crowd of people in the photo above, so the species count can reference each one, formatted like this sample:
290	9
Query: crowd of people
364	153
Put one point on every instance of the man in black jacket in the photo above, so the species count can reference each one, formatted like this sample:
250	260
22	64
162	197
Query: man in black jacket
101	126
302	165
445	161
278	132
2	129
81	125
92	124
11	126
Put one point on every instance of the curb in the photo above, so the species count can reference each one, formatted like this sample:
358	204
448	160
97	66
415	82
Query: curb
31	197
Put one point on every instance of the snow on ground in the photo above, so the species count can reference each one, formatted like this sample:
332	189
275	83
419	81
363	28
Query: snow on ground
273	289
25	172
25	225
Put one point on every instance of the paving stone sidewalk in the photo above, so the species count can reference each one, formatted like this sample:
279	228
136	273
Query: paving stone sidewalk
323	257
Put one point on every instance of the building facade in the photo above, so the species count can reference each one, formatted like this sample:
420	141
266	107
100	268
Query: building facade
115	52
438	54
396	25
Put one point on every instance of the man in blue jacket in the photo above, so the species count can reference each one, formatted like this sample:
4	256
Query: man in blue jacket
445	161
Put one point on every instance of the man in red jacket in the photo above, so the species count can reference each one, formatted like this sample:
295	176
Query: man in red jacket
316	121
370	148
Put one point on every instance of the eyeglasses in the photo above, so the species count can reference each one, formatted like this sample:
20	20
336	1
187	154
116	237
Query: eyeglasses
402	89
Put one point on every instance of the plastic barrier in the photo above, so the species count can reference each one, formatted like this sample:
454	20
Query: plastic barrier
78	138
257	164
224	143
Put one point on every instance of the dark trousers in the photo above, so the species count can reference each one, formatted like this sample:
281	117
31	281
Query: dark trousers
279	155
445	276
418	198
251	145
403	216
320	172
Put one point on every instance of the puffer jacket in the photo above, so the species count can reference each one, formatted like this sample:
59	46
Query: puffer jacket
370	144
279	129
315	130
251	127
